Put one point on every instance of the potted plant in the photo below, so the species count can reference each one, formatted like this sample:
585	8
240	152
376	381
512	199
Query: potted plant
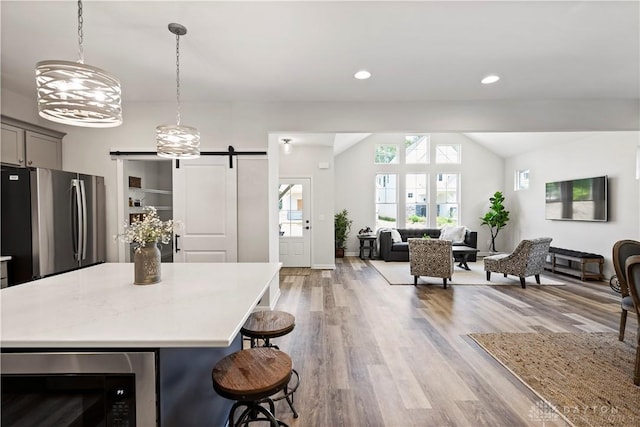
497	217
342	225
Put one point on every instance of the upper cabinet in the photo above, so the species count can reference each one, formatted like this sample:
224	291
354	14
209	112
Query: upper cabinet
27	145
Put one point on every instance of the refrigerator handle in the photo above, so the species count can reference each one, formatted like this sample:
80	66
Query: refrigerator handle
84	218
76	218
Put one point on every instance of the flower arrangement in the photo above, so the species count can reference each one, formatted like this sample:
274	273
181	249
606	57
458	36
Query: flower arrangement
149	230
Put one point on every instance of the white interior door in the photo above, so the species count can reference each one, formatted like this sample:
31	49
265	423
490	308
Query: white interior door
205	200
295	223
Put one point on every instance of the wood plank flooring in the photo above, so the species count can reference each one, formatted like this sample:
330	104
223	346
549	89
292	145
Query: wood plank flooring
372	354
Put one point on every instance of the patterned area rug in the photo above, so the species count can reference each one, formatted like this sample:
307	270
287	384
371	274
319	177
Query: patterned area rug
586	377
397	273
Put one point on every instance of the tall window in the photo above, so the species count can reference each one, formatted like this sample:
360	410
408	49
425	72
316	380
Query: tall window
521	180
448	153
416	202
416	149
386	154
447	199
386	200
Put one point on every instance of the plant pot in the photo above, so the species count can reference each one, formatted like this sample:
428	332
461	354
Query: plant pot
147	265
339	252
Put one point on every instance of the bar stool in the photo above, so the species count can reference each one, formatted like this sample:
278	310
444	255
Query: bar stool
265	325
249	377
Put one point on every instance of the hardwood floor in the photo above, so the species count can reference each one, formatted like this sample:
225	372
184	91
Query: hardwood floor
372	354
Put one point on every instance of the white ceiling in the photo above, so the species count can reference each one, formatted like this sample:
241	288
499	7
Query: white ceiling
308	51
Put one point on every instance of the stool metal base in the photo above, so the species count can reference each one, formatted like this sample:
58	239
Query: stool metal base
252	413
287	393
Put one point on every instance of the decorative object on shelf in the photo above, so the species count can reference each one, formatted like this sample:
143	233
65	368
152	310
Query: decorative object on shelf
365	231
135	182
497	217
77	94
145	234
287	147
342	225
176	141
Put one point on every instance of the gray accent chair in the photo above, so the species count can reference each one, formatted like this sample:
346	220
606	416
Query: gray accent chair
430	258
622	250
526	260
632	269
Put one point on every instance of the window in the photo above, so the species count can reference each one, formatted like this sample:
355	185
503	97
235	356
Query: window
416	200
447	199
290	206
386	154
386	200
416	149
449	153
521	180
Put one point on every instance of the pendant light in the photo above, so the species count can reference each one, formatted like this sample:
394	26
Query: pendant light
78	94
176	141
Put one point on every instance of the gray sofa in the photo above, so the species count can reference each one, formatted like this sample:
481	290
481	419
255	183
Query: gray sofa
390	251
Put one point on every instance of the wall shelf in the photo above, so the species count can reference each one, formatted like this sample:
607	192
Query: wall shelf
150	190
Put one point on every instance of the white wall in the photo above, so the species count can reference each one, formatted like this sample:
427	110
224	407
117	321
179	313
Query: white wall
481	174
303	162
591	154
246	126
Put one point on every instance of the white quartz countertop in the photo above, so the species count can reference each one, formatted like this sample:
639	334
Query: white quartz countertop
195	305
4	258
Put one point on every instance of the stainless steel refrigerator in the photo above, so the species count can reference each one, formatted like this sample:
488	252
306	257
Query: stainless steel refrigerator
52	221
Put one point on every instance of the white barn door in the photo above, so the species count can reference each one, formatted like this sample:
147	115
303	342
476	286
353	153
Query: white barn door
205	200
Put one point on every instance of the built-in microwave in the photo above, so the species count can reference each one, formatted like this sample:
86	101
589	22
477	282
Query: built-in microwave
79	389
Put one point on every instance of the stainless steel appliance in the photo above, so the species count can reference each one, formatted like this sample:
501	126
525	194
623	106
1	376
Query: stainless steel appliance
52	221
110	389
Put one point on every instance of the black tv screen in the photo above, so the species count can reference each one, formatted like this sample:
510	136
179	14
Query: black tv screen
577	199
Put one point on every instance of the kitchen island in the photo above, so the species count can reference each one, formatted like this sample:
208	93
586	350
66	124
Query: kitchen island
189	320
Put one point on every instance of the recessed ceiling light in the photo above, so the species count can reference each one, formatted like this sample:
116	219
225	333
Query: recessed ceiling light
362	75
490	79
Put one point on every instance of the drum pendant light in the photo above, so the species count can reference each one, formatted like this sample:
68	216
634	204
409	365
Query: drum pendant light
78	94
176	141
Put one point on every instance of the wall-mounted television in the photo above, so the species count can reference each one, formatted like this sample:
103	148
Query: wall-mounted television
577	200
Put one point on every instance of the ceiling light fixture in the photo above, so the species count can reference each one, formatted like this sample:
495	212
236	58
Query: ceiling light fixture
176	141
490	79
362	75
78	94
286	147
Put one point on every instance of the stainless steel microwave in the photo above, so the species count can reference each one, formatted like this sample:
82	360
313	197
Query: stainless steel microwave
107	389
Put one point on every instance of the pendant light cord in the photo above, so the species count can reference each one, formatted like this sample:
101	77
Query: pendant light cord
178	77
80	34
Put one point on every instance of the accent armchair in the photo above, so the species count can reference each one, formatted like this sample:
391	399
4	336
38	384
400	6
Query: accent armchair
633	281
431	258
622	250
526	260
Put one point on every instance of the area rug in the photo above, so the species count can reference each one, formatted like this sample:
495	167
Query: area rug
587	378
397	273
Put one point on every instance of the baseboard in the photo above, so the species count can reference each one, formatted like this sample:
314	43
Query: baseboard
323	267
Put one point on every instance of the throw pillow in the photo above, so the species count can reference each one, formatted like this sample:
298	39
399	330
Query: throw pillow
455	234
395	236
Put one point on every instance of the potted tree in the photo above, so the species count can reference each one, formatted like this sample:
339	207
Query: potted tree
497	217
342	225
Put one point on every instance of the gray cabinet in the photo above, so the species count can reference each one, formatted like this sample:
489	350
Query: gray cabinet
27	145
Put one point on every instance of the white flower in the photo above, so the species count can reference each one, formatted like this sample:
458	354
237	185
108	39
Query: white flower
150	230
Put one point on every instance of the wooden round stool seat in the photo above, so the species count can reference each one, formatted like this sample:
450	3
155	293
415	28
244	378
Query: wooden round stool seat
265	325
249	377
252	374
